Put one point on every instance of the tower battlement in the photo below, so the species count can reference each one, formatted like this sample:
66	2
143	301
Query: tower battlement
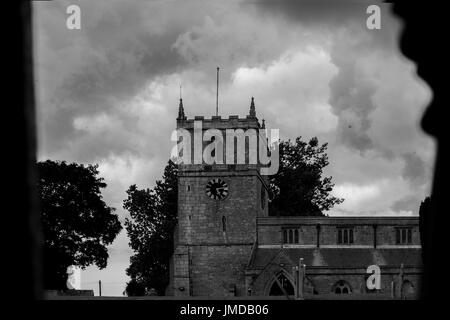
217	122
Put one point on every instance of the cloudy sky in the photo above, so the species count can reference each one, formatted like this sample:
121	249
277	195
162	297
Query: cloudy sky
108	93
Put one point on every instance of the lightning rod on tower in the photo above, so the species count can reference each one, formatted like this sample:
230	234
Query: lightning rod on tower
217	93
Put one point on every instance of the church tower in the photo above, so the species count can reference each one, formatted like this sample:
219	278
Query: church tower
218	206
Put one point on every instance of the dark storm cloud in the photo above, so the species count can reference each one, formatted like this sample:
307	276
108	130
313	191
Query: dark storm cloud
415	169
324	12
408	203
122	71
351	92
114	77
121	55
351	99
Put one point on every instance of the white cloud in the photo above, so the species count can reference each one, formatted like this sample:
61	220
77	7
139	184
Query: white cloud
372	198
291	93
356	196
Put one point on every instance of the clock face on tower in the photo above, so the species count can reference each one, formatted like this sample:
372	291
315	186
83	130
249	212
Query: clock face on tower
217	189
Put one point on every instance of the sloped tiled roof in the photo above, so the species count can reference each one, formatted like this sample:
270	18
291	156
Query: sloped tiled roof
342	257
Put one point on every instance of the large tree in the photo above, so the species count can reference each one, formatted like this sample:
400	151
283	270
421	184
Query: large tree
153	216
77	224
298	188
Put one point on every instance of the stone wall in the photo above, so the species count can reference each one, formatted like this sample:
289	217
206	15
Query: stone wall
219	270
210	258
364	229
200	217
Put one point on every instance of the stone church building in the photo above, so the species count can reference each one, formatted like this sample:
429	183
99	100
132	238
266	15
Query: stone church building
227	244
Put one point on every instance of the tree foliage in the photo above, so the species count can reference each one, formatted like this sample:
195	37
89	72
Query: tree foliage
77	224
153	216
298	188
